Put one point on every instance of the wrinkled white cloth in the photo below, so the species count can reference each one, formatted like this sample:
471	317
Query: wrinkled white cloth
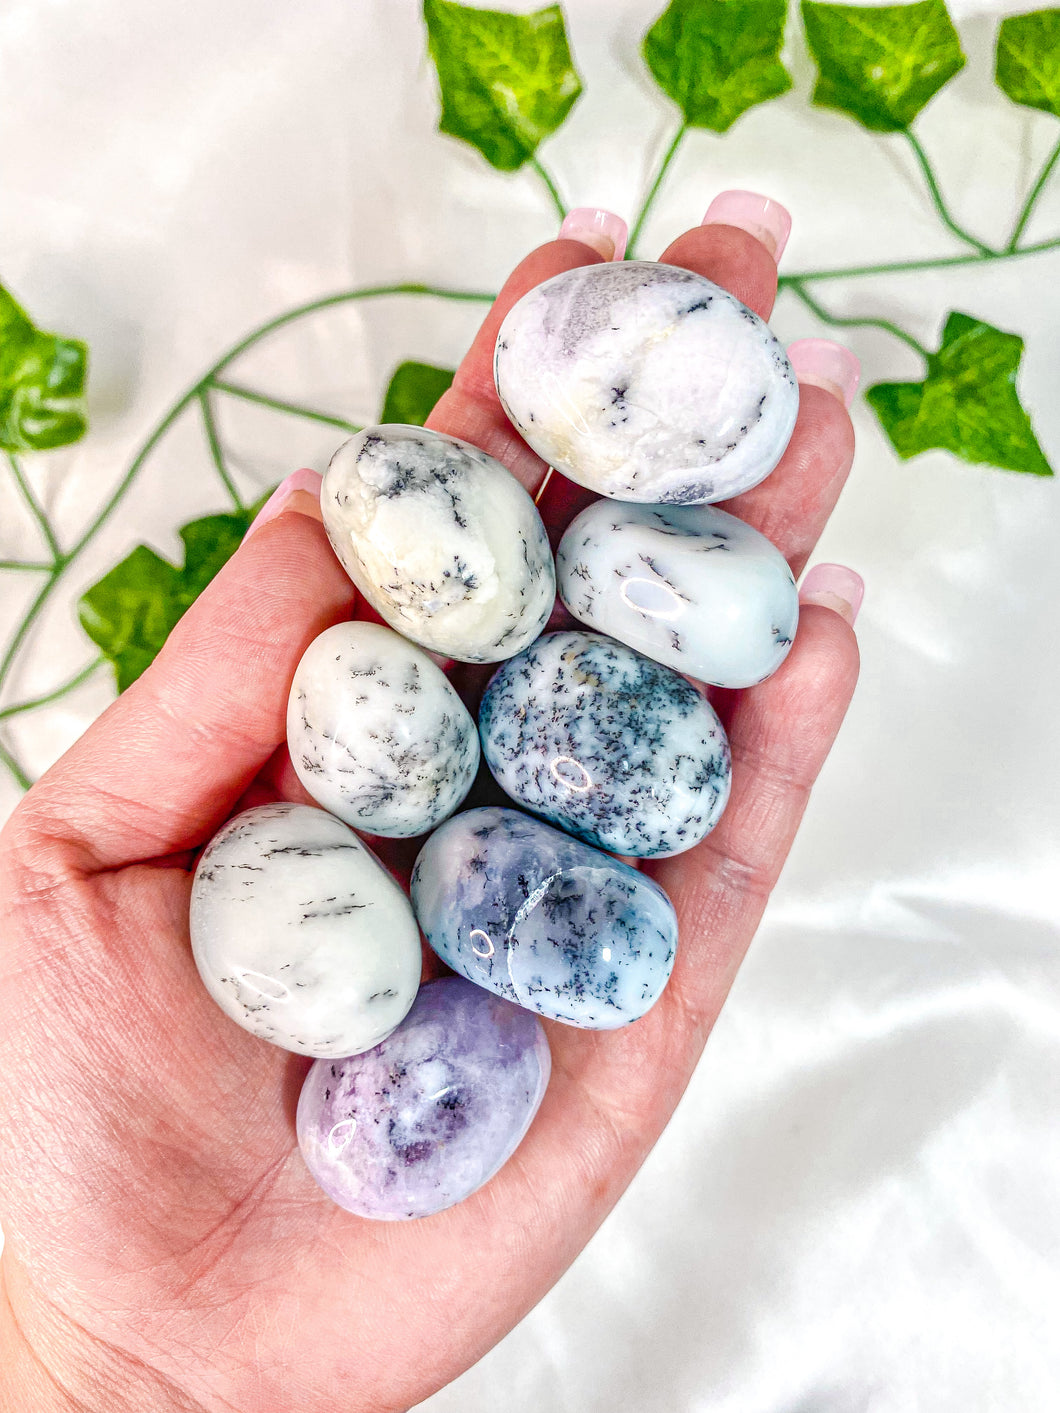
854	1210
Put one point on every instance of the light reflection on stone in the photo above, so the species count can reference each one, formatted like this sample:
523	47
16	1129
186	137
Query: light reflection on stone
340	1135
264	985
477	933
651	597
561	769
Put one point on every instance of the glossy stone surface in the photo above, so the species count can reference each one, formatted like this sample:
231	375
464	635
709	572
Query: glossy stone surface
377	733
299	933
689	586
544	920
607	744
646	383
428	1116
441	539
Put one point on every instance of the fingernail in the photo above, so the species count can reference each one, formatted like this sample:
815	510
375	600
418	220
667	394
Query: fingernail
836	587
305	481
603	231
827	365
760	216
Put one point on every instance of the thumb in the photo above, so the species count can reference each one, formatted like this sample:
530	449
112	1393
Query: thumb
164	765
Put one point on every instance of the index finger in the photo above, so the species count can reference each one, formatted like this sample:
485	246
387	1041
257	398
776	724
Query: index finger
471	409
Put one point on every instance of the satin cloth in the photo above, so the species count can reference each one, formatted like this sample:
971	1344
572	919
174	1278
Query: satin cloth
855	1208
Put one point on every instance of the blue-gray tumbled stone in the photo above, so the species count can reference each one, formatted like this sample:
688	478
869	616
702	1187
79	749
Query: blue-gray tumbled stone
609	745
544	920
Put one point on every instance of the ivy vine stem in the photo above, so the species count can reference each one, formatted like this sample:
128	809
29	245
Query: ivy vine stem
279	405
550	187
907	267
1032	199
649	200
21	779
937	199
846	322
63	560
216	451
35	508
61	691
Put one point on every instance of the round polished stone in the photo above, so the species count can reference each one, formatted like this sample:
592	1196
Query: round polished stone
442	541
424	1119
377	733
689	586
607	744
646	382
543	919
299	933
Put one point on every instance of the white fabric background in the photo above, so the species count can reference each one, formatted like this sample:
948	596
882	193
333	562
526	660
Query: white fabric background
854	1210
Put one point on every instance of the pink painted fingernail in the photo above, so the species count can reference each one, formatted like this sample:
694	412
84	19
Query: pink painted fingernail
603	231
759	216
836	587
827	365
303	480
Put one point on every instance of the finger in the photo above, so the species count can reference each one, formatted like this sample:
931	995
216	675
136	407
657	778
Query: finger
780	733
792	505
471	408
733	259
164	765
623	1085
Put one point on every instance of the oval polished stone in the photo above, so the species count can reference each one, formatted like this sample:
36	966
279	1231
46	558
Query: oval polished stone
377	733
442	541
300	934
428	1116
646	383
544	920
609	745
689	586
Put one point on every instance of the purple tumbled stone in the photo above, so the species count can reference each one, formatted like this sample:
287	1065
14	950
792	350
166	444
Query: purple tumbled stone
429	1115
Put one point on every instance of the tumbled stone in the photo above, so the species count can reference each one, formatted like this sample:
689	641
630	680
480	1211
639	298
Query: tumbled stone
377	733
689	586
544	920
441	539
300	934
609	745
646	382
425	1118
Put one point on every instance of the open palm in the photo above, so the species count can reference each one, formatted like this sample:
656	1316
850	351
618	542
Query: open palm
166	1247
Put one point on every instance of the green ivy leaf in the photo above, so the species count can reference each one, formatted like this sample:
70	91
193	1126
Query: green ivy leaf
42	383
717	58
131	611
881	65
412	392
968	402
1028	59
507	81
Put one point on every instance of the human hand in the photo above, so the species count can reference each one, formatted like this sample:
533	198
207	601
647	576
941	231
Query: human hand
166	1247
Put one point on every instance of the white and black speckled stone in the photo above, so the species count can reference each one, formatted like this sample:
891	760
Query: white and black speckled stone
441	539
299	933
544	920
690	586
377	733
611	746
646	382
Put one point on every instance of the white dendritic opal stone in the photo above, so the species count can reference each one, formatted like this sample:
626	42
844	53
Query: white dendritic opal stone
441	539
645	382
690	586
377	733
300	934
